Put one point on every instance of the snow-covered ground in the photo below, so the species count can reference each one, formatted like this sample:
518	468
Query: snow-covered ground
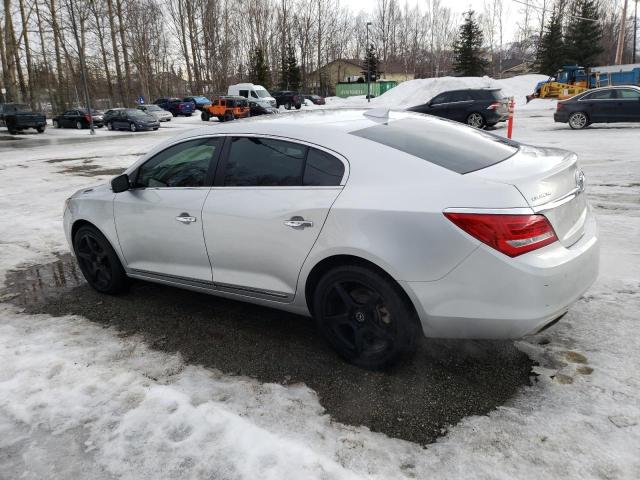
80	401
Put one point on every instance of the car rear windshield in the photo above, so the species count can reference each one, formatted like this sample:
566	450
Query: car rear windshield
457	148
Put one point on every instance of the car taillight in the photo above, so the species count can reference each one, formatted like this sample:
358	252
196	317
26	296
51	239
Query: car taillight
494	105
559	106
512	235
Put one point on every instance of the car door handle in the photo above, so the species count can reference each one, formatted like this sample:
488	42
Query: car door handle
298	222
185	218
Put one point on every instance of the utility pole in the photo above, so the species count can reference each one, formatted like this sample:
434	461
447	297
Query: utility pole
623	23
368	66
635	31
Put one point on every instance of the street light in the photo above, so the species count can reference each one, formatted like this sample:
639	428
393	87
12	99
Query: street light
366	53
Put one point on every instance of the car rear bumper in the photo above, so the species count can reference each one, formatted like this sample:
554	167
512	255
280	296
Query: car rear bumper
560	117
492	296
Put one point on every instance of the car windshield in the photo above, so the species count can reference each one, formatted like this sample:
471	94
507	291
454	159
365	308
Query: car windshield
455	147
262	93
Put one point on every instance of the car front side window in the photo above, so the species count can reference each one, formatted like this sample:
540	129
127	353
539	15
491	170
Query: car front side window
183	165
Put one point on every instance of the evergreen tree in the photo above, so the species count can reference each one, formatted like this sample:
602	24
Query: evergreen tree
551	50
372	62
290	73
258	68
467	50
583	35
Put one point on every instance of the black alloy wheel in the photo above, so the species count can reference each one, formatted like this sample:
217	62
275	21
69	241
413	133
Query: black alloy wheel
364	317
98	261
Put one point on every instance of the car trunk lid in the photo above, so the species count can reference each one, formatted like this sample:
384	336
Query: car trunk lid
551	182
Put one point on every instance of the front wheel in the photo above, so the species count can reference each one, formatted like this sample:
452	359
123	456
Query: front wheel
98	261
204	116
79	125
476	120
56	124
578	120
40	129
364	317
132	127
109	126
287	106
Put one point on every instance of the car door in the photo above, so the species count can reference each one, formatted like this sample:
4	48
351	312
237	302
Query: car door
265	211
601	105
460	105
629	100
69	118
159	221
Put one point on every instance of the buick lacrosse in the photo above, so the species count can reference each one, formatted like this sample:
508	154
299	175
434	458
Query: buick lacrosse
383	226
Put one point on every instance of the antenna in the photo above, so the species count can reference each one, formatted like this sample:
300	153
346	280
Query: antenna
379	113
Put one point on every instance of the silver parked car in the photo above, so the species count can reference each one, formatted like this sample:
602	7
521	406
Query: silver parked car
383	226
155	111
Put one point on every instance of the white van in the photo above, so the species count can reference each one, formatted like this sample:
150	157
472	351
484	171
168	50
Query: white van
256	93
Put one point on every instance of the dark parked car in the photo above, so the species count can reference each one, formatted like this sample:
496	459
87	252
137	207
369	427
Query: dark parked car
600	105
176	106
315	99
288	99
257	109
17	117
482	107
78	119
199	102
130	119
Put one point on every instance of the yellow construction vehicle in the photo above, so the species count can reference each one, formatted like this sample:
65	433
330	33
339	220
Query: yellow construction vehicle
569	81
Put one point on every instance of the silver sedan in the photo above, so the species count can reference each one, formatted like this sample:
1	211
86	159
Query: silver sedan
155	111
383	226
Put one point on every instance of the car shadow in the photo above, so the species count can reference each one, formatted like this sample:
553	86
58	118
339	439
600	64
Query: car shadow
416	401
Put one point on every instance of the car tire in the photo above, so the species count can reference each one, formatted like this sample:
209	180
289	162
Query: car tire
40	129
79	125
109	126
476	120
98	261
578	120
365	317
204	116
12	131
56	124
174	114
287	106
228	117
298	107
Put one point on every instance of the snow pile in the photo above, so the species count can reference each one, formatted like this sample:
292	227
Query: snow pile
416	92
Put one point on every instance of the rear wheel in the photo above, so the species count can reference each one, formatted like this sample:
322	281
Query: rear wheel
174	114
287	106
298	107
364	317
228	117
476	120
40	129
79	125
56	124
578	120
132	127
98	261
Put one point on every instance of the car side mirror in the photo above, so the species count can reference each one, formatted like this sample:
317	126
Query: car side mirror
120	183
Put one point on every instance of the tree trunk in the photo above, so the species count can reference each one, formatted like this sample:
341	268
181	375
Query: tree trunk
10	54
125	54
60	103
27	50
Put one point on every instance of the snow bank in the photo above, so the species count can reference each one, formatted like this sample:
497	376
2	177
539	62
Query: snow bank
415	92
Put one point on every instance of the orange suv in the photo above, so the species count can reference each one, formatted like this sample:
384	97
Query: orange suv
226	108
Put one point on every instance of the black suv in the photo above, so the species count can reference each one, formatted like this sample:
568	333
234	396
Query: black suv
17	117
288	99
482	107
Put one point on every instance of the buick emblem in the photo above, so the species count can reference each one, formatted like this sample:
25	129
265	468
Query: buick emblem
580	180
360	317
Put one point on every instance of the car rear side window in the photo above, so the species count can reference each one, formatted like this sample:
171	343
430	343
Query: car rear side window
455	147
322	169
263	162
183	165
628	94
